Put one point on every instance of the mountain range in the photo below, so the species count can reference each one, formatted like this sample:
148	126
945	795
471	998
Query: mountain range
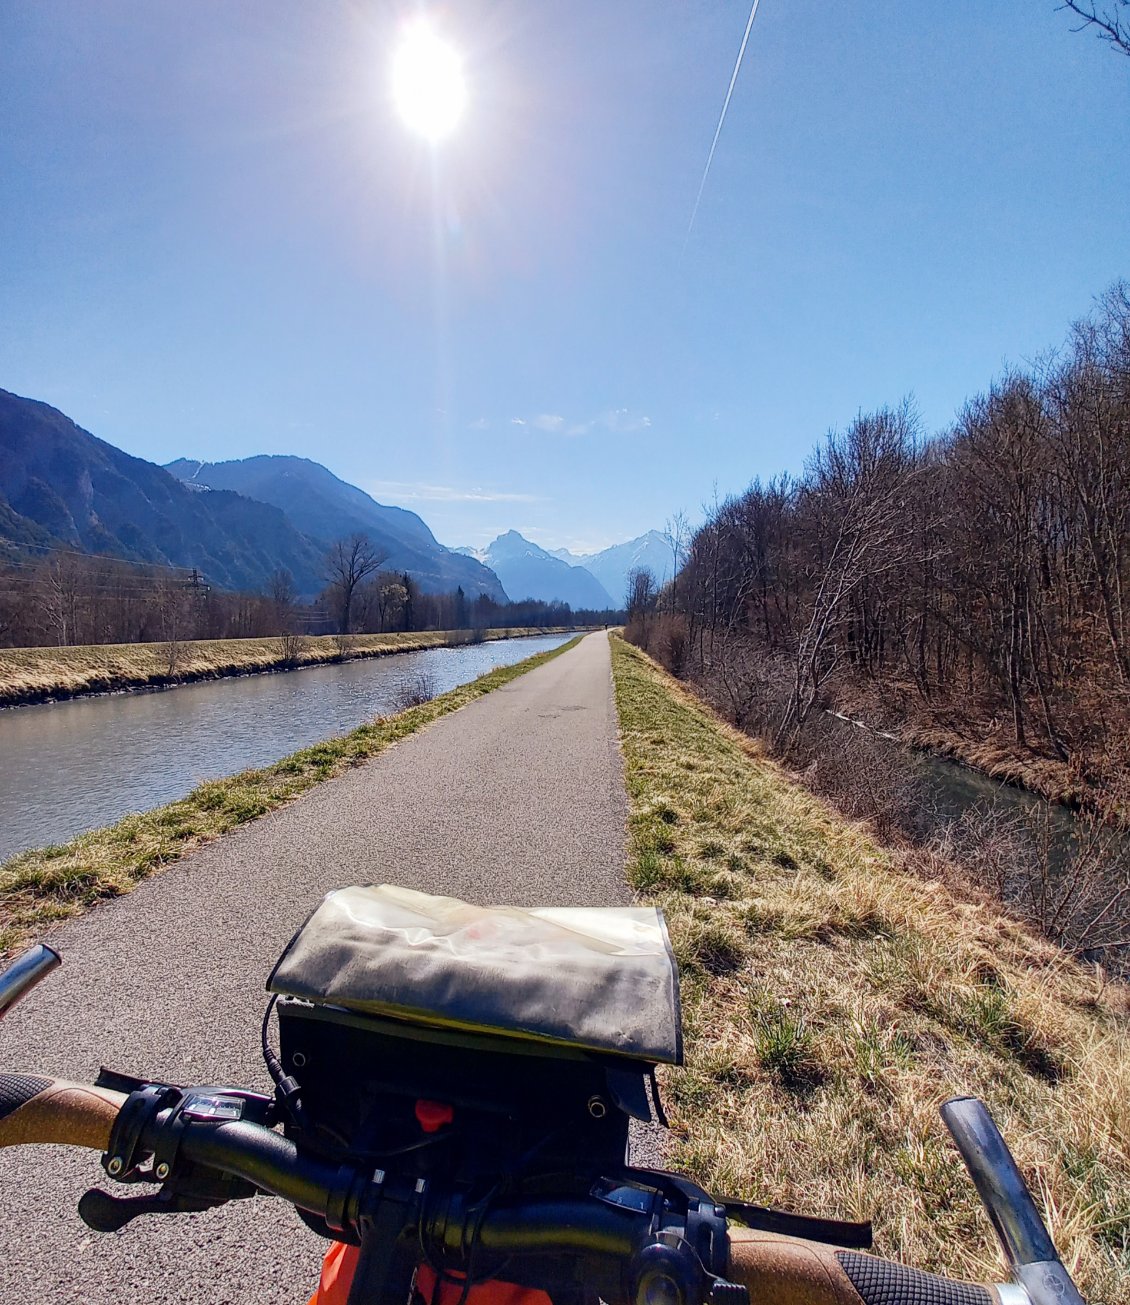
528	571
612	566
61	486
326	508
240	521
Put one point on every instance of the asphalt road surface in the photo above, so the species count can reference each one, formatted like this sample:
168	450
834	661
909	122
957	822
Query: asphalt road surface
518	798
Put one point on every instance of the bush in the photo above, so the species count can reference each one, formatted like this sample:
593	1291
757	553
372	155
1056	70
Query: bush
291	647
414	690
670	642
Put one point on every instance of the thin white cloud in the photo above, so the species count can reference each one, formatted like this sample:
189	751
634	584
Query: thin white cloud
480	424
622	421
616	421
417	492
551	539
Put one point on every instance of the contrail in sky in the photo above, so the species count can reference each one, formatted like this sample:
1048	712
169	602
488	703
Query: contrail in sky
722	117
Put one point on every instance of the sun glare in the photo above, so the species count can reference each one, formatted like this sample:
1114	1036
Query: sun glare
427	83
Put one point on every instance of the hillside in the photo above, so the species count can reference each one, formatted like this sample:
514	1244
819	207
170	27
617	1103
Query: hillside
528	571
327	509
59	484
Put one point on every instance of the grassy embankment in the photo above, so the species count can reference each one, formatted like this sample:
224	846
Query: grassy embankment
833	1001
48	884
37	674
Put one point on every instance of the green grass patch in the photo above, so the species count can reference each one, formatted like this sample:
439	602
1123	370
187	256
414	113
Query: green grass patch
833	1000
53	883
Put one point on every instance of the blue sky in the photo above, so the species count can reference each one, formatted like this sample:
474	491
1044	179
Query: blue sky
218	239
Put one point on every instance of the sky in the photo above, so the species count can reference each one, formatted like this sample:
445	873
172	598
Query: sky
219	238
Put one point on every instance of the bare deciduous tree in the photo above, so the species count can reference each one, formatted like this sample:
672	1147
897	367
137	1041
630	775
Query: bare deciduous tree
1111	21
348	563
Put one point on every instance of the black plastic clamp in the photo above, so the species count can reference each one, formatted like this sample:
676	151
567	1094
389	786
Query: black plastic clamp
122	1160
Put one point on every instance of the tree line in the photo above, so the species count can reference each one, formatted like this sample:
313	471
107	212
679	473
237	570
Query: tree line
62	597
969	588
981	574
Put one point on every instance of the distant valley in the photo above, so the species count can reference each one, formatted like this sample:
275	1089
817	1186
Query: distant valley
528	571
582	580
240	522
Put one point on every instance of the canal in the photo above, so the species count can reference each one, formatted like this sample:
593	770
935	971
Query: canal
68	767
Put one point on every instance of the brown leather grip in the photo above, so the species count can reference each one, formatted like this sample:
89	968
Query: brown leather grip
788	1271
35	1110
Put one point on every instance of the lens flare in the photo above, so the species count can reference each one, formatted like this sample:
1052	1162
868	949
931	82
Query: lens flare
427	83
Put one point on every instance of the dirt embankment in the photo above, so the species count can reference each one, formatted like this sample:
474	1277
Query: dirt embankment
29	675
982	741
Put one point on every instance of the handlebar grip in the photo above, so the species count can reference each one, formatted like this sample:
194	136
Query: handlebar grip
36	1110
788	1271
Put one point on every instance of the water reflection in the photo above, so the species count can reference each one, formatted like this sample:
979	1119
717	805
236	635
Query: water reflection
71	766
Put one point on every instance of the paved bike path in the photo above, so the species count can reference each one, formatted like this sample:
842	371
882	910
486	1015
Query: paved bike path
516	798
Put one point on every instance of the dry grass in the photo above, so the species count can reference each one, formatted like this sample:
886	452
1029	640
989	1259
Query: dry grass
49	884
833	1001
37	674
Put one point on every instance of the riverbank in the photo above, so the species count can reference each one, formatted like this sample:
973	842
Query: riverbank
985	745
30	675
49	884
833	1000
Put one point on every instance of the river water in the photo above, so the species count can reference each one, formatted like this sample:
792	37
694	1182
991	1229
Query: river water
950	789
68	767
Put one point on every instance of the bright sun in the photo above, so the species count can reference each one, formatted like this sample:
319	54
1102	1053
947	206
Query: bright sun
427	83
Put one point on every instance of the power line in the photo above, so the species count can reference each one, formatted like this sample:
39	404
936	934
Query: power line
52	550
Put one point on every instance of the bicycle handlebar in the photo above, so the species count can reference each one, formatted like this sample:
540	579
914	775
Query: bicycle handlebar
36	1110
774	1268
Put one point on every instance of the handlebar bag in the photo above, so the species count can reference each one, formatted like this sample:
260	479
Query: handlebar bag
598	979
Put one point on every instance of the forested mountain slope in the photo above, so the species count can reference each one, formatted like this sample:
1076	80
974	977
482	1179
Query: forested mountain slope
60	484
327	509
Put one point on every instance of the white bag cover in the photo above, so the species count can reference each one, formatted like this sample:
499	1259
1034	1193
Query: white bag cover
600	978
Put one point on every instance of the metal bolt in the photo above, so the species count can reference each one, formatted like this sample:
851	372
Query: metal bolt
115	1167
597	1108
162	1171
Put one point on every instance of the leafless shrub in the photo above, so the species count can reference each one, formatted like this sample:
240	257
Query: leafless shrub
1080	895
669	642
868	778
749	686
345	645
1074	887
171	657
987	840
291	647
636	632
415	689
